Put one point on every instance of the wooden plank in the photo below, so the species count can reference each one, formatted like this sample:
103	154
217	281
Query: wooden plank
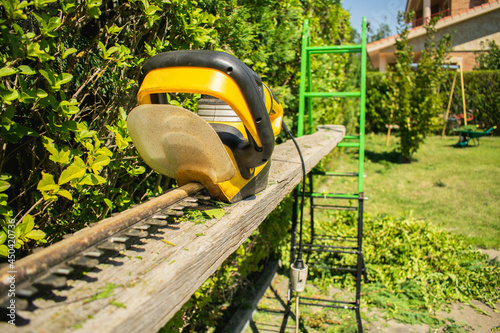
140	290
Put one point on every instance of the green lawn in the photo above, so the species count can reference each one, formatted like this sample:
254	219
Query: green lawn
455	188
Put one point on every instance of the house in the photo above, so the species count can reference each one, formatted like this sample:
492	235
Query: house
470	22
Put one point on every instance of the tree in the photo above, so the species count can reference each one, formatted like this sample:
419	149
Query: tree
383	31
413	93
488	59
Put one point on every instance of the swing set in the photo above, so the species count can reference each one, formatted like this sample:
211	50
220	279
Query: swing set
465	134
458	117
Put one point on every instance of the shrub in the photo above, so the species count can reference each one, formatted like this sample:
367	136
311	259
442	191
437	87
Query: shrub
413	95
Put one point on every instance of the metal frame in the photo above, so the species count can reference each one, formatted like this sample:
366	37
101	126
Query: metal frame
356	141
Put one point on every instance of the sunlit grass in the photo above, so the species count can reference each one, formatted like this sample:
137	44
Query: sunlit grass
455	188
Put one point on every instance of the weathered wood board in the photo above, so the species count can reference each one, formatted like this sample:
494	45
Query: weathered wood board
141	289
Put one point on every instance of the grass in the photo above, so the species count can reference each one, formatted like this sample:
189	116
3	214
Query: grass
457	189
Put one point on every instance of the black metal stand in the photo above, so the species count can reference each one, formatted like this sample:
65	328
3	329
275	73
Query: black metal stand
317	245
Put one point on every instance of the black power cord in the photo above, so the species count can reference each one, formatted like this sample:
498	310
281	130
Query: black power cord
298	270
299	263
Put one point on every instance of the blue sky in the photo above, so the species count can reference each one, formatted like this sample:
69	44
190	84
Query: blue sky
376	12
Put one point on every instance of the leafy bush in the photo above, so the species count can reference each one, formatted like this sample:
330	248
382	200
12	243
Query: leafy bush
489	59
414	269
69	74
377	112
68	79
413	95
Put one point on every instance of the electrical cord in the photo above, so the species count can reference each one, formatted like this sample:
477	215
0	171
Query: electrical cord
298	265
299	262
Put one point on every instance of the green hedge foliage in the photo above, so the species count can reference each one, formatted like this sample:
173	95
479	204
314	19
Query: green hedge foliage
377	112
69	72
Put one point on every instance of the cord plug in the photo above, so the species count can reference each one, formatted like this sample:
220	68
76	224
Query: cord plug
298	275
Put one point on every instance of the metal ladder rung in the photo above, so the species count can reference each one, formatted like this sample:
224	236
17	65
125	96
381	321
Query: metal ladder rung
324	246
336	238
346	305
348	144
334	49
347	269
330	251
332	195
334	207
335	174
339	94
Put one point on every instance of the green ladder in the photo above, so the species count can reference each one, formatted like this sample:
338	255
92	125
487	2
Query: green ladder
350	141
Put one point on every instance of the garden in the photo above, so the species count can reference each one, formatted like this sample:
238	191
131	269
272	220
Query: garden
69	72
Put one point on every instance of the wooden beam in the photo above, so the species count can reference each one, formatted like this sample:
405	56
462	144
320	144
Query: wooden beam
143	287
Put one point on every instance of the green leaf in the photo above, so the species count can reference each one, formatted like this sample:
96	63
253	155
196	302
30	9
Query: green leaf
55	80
42	3
8	95
62	156
28	224
48	196
3	199
99	162
4	176
3	236
121	142
6	71
109	203
68	52
104	151
49	144
40	93
64	194
74	171
4	250
4	185
36	235
64	78
49	76
103	49
214	213
114	29
139	170
18	231
79	162
83	132
35	52
150	10
93	8
27	70
92	179
47	183
112	50
88	180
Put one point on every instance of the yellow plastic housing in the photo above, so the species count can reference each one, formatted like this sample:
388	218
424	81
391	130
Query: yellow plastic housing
197	80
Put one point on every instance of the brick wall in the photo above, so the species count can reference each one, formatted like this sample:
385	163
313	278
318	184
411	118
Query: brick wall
458	6
468	59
